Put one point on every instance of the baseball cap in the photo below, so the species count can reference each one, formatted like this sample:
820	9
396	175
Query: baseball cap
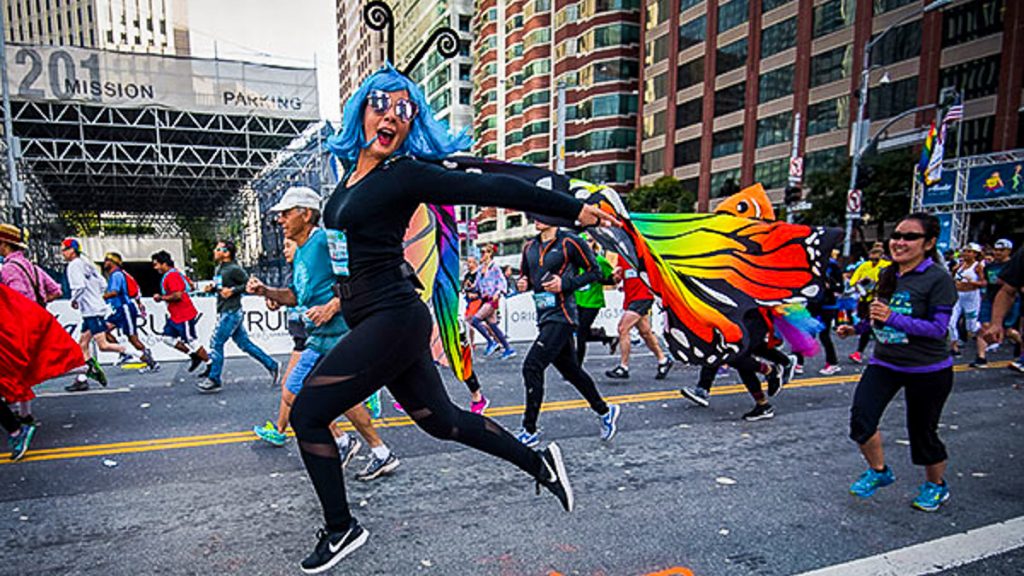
71	244
297	197
973	247
1003	244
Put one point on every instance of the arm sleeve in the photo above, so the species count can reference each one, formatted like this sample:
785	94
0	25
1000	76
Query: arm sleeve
435	185
76	281
583	257
1013	274
239	280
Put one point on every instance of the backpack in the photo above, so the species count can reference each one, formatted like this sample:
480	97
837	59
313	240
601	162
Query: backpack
132	285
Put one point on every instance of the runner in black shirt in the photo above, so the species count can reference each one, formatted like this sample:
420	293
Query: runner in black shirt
386	119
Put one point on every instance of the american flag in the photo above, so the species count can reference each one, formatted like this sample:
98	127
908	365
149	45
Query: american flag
955	112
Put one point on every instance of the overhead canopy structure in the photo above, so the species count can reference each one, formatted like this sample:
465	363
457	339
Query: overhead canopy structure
151	139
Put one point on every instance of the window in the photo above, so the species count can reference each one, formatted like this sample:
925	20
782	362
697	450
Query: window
489	225
833	15
976	78
772	173
687	152
825	160
769	5
568	13
890	99
603	106
899	44
489	149
690	73
732	14
828	115
971	21
536	68
514	221
693	32
611	139
730	99
657	12
774	129
976	136
536	37
441	101
465	96
883	6
687	4
779	37
689	112
604	173
728	141
655	88
535	128
654	124
775	84
513	138
609	71
465	72
464	23
657	50
731	56
464	46
725	182
535	98
832	65
652	162
539	157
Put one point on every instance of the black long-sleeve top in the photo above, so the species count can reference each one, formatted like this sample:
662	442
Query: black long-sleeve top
562	256
375	213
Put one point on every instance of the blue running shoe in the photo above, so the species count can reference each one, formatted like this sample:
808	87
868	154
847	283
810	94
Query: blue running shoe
530	440
608	420
269	434
931	496
373	404
870	481
508	353
19	444
492	346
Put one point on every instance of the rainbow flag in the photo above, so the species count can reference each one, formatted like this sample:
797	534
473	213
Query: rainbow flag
926	154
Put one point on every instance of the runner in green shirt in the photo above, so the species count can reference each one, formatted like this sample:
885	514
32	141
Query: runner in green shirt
589	301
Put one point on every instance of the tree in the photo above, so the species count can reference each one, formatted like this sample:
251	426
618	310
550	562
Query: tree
664	195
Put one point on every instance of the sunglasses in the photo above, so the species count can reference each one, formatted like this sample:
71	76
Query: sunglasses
221	250
908	236
380	102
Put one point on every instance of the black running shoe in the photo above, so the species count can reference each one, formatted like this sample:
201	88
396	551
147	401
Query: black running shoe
697	395
979	363
79	385
377	467
332	547
208	386
760	412
663	368
554	477
774	379
618	373
196	361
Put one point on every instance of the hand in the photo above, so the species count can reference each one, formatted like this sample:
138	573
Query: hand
208	288
272	305
845	330
521	284
591	215
553	285
994	334
157	297
321	315
880	311
618	275
255	286
226	292
74	304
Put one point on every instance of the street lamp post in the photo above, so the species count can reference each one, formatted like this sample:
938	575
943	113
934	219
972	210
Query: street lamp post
858	127
12	172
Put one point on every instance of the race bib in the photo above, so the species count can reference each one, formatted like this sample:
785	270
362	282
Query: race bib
544	300
337	245
890	335
631	273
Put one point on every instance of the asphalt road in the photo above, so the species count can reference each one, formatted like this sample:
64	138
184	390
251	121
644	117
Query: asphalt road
149	477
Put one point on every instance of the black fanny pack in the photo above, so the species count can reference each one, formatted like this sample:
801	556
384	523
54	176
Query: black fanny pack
349	289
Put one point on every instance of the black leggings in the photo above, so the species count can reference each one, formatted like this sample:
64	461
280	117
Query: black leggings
554	346
7	418
388	348
925	396
748	369
586	333
472	383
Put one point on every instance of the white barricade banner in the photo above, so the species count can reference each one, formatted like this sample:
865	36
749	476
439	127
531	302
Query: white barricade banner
269	329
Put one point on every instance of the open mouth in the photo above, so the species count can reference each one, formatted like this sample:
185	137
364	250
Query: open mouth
385	136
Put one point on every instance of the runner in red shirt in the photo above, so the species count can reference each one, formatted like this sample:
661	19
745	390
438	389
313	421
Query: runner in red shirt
180	329
636	303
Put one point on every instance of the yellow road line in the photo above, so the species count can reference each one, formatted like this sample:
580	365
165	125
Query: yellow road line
136	446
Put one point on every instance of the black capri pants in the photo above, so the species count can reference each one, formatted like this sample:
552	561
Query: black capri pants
926	395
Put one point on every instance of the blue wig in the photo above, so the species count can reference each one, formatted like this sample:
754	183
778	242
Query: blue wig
428	139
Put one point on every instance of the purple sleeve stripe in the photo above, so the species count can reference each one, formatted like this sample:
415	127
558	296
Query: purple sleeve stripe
934	327
948	362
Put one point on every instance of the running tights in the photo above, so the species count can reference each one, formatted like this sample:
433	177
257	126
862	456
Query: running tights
586	333
554	346
7	418
389	348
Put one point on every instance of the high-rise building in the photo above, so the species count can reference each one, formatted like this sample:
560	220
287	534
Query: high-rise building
724	82
445	81
522	50
361	51
150	27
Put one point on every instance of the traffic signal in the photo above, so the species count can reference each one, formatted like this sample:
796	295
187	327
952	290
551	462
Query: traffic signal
792	195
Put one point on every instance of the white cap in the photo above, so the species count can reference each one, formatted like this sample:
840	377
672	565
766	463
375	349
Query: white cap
297	197
1004	243
973	247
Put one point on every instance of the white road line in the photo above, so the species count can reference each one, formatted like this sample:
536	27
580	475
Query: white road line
84	392
936	555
